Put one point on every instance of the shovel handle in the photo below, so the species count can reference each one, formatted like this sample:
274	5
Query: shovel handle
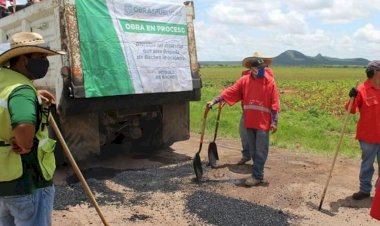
203	127
75	167
337	150
220	107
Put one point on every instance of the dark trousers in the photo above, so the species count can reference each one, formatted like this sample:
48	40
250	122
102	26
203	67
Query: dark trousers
3	12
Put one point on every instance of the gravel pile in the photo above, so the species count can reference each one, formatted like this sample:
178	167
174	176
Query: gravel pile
200	204
166	179
221	210
66	196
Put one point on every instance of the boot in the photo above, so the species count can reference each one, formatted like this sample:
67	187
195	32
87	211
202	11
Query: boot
243	160
360	195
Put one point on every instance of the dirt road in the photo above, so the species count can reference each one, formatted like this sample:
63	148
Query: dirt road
160	190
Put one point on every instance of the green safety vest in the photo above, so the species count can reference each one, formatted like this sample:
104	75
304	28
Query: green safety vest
12	165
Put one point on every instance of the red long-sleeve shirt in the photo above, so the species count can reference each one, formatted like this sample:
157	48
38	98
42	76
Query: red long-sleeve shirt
3	3
367	102
259	97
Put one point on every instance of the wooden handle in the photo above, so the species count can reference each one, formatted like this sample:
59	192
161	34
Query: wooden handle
75	167
221	105
337	150
203	127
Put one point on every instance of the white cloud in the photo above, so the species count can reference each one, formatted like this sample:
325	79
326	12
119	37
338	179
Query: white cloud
341	12
216	42
312	39
302	5
336	11
268	16
344	11
231	30
291	22
368	33
232	14
309	44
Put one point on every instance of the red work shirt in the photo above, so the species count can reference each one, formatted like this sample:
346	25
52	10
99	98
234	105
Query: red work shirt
3	3
248	72
258	95
367	102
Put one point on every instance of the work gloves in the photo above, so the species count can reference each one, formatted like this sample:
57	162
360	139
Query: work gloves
213	102
353	92
210	104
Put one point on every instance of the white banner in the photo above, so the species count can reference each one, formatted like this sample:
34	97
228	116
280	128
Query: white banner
153	38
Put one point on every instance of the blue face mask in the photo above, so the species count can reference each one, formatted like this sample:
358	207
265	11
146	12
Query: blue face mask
260	73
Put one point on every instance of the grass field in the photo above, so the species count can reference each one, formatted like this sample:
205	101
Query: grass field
312	107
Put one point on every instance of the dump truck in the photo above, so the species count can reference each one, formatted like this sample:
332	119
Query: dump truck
129	74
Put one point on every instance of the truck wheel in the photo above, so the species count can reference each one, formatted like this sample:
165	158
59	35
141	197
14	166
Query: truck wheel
152	135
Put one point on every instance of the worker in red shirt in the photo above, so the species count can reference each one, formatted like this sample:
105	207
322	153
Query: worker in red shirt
259	95
3	7
245	155
367	102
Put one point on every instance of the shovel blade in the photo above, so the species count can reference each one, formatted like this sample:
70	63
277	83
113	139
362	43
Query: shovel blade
197	166
213	154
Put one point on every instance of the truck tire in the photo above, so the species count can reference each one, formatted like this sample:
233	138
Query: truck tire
152	135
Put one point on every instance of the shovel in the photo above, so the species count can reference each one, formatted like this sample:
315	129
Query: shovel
197	164
337	150
212	148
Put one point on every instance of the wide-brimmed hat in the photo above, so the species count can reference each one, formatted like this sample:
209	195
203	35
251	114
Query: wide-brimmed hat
247	61
24	43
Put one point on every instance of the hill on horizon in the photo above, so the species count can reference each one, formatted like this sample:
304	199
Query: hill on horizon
296	58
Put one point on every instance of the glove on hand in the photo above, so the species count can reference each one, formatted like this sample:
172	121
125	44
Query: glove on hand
210	104
215	101
353	92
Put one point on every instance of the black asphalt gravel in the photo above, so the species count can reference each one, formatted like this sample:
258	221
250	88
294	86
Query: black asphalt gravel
201	204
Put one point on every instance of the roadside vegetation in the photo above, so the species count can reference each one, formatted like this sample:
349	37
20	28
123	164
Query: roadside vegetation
312	102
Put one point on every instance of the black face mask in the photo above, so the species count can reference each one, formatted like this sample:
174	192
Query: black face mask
37	68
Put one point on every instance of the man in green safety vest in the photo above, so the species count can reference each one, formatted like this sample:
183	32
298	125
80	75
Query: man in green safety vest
27	161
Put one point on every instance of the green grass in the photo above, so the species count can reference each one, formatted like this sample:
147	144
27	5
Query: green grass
312	102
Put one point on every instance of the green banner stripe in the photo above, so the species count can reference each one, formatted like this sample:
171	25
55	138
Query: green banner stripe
105	71
149	27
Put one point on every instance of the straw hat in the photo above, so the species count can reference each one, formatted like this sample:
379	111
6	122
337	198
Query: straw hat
247	61
24	43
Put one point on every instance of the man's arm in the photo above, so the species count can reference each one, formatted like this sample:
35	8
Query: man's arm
274	121
23	136
357	102
46	97
13	3
275	109
23	112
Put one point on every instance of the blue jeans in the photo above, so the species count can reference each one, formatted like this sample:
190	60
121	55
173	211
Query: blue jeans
369	153
244	139
258	141
28	210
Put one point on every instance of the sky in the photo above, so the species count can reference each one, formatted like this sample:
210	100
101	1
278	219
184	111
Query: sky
234	29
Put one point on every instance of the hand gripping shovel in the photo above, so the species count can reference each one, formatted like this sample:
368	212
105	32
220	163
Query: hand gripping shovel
76	169
197	164
212	148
